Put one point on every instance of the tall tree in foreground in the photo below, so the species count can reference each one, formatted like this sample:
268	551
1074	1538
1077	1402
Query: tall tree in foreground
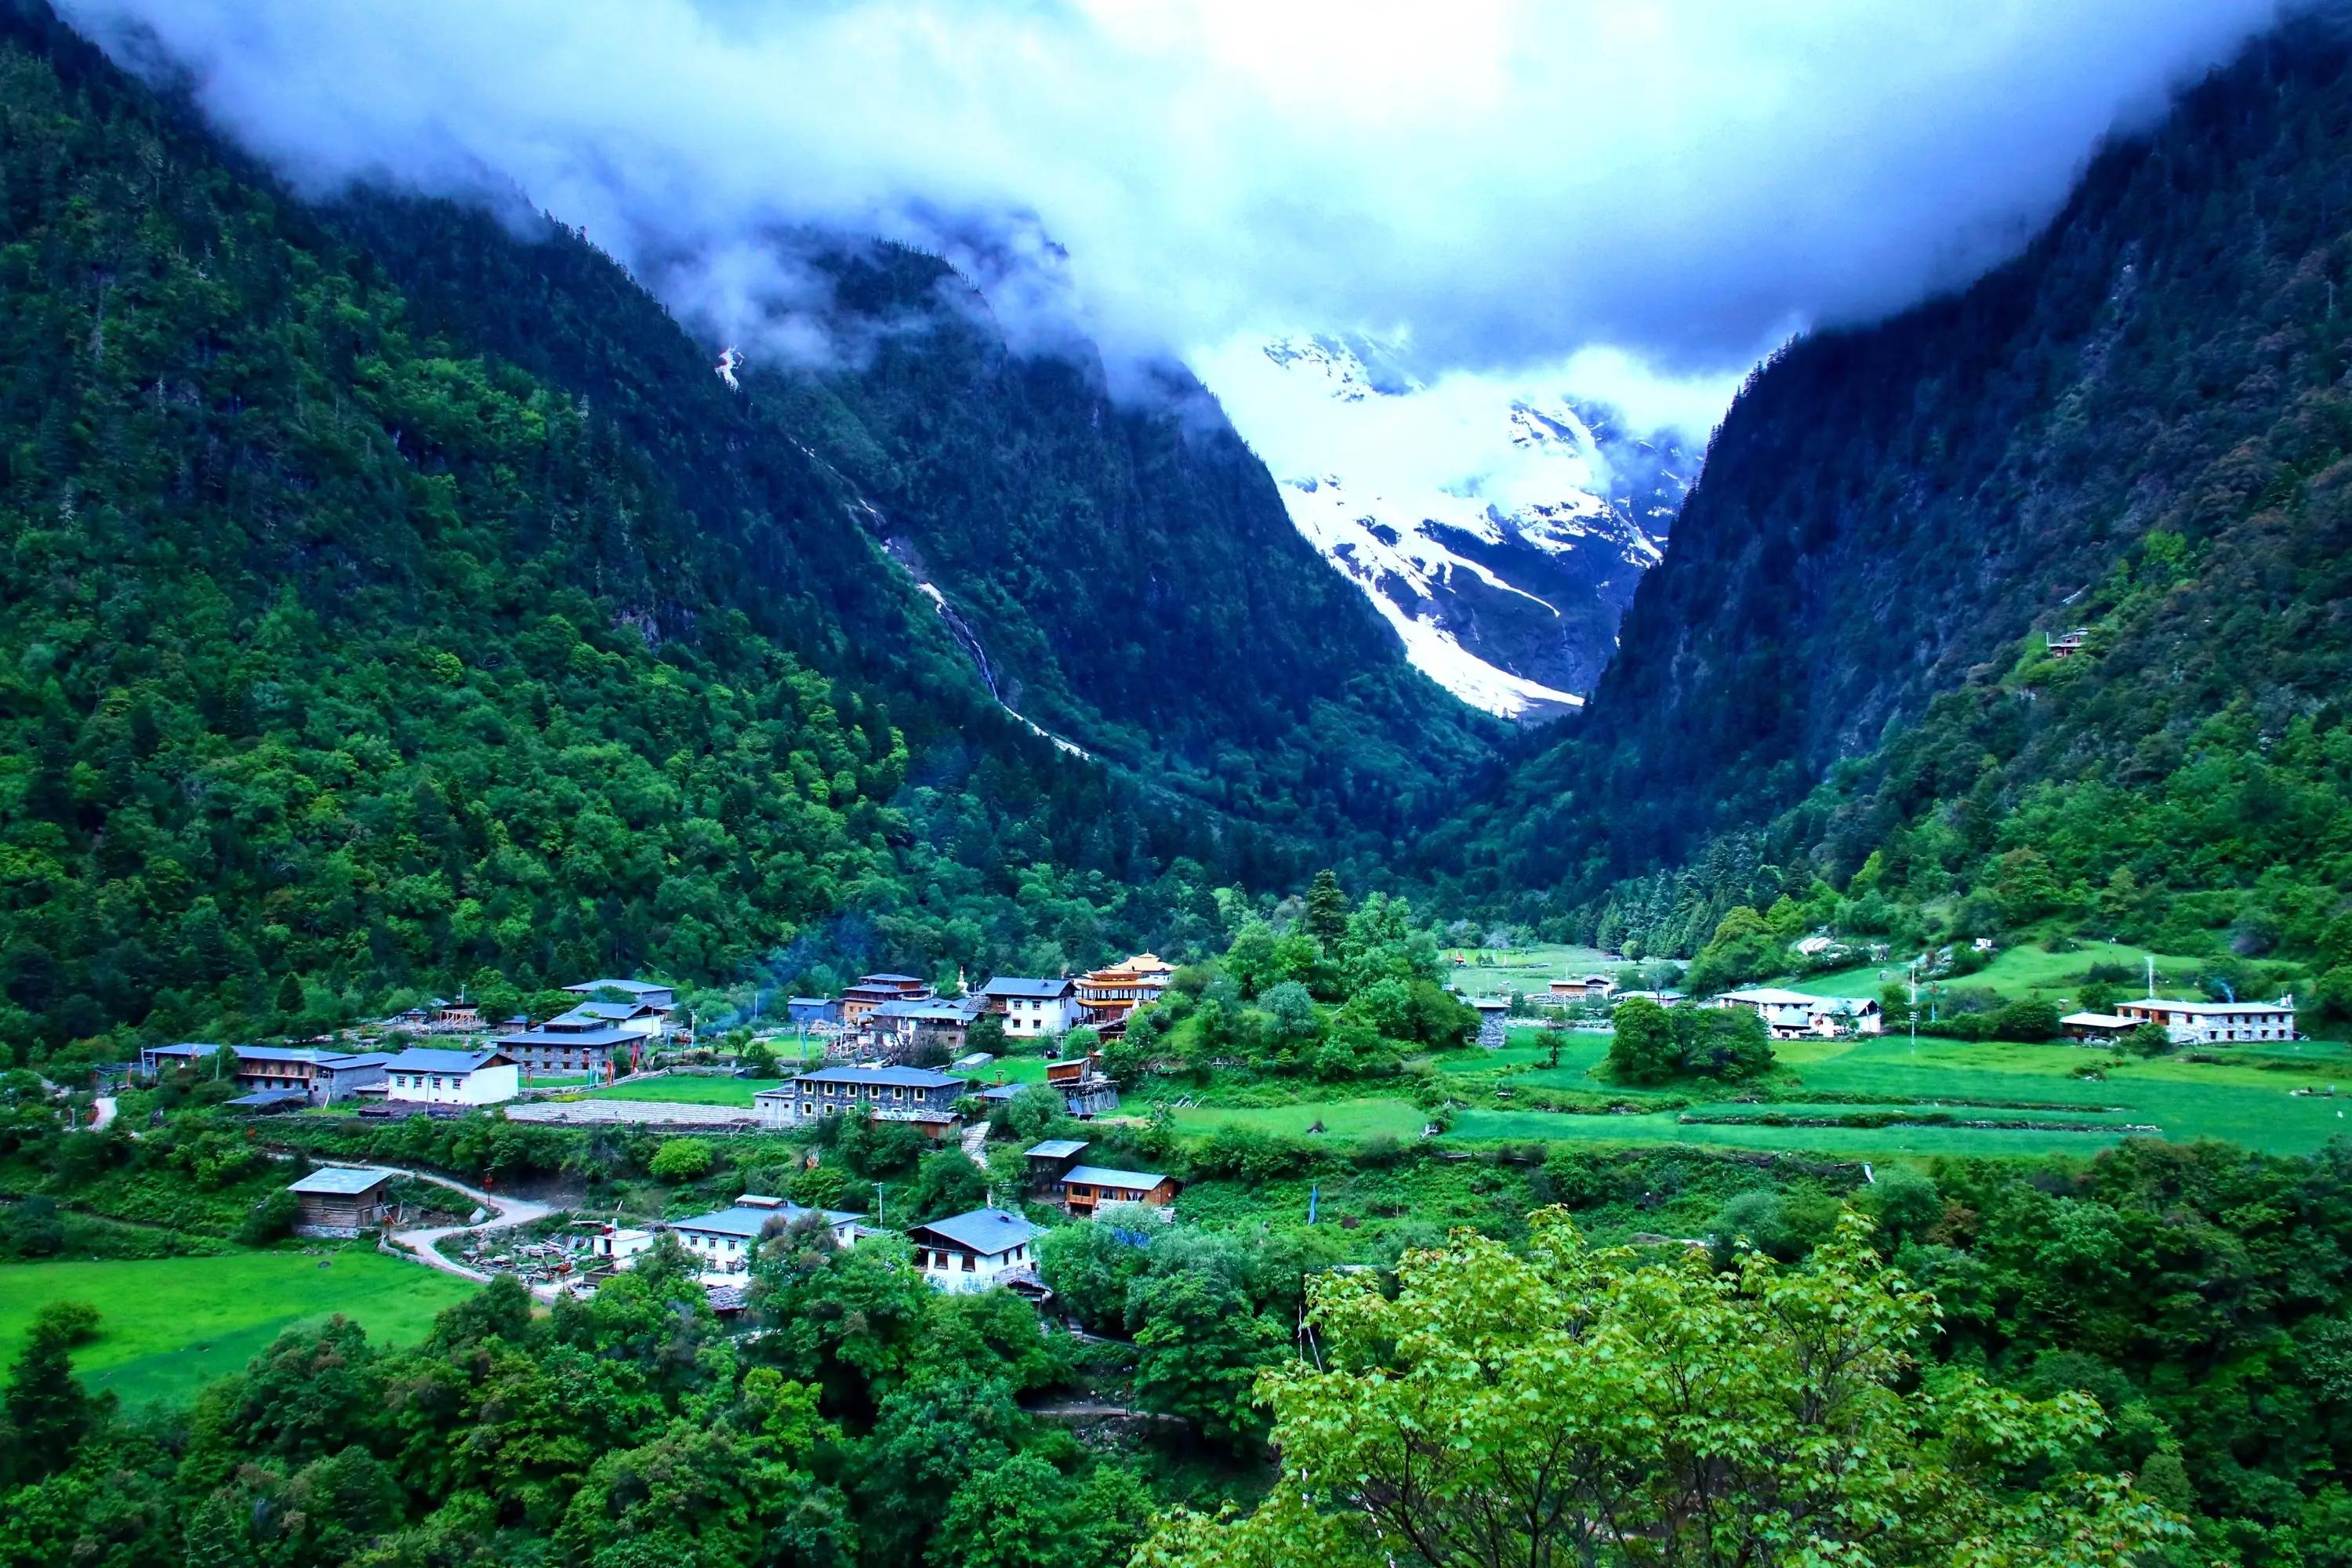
1625	1407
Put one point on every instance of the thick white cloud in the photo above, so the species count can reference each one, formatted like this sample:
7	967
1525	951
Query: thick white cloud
1504	181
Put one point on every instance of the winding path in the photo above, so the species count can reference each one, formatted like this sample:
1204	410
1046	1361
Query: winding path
420	1241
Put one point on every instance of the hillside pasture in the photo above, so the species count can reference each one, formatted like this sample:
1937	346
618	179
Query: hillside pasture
168	1327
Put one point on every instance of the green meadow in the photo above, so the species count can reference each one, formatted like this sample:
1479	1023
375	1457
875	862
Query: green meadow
172	1325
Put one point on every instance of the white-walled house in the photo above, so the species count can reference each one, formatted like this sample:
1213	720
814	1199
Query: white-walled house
422	1076
724	1240
1033	1009
1792	1014
973	1251
2203	1023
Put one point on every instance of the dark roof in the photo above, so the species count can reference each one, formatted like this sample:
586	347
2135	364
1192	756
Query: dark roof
607	1012
1103	1176
925	1008
626	987
1002	1091
279	1052
1013	985
737	1220
890	979
888	1077
1055	1149
360	1059
421	1058
985	1231
606	1036
265	1099
186	1049
339	1181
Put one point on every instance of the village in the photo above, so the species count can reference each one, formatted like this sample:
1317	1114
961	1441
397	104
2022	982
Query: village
888	1049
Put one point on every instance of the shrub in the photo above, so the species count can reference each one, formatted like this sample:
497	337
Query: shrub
271	1219
682	1160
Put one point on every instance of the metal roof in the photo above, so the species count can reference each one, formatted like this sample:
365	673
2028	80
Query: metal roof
626	987
360	1059
543	1036
607	1011
1103	1176
1056	1148
422	1058
266	1097
1013	985
987	1232
279	1052
340	1181
890	979
2207	1006
739	1220
888	1077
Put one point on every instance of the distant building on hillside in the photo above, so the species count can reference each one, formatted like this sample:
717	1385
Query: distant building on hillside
813	1009
725	1239
1793	1014
1494	1019
873	990
1084	1188
419	1075
2206	1023
2096	1027
2065	645
156	1060
338	1201
1109	997
1591	988
1033	1008
973	1251
661	997
866	1088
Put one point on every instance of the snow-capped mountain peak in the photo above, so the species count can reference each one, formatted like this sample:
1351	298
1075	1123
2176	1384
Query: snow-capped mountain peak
1499	528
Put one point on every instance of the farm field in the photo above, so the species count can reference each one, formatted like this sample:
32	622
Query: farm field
171	1326
1524	968
1341	1117
2238	1100
686	1091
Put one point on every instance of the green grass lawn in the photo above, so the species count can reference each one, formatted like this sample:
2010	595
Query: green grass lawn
1341	1117
1524	968
169	1327
683	1090
2236	1099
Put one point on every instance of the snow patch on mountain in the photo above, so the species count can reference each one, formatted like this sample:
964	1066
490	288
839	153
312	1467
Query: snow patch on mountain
1499	527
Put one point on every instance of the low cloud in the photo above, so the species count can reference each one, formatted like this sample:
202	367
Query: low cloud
1507	183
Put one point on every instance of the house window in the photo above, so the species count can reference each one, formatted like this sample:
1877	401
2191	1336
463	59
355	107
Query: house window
967	1263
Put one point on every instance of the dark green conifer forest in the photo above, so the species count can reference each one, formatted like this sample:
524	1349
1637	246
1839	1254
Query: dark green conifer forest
1839	676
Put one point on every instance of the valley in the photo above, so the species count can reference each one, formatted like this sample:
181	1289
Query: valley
1038	954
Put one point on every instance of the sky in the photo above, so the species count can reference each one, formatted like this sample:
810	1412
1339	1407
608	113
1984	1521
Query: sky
1629	200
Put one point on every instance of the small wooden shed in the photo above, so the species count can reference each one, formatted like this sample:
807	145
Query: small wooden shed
337	1201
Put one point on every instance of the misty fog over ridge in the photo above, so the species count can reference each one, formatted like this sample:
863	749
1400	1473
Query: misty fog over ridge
1625	203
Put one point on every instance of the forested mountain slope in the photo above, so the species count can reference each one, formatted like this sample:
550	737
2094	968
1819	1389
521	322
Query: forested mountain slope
1125	567
353	641
2138	427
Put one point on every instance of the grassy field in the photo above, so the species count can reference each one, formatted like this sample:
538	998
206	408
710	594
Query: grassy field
2245	1099
172	1326
1341	1117
1524	968
685	1090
